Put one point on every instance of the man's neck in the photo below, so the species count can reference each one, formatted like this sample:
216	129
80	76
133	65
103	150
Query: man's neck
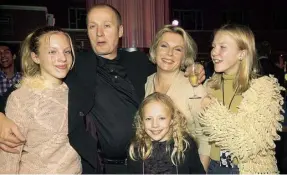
109	57
9	71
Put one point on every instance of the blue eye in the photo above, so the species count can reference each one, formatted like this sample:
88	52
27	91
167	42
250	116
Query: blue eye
68	52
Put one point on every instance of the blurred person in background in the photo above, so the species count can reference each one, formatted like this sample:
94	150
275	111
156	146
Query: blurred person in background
8	74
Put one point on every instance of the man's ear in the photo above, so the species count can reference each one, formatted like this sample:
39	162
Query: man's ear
14	57
121	31
35	58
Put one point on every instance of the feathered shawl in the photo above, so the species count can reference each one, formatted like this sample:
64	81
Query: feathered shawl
248	134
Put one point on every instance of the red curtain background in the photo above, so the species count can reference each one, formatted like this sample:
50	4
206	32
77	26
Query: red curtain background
141	19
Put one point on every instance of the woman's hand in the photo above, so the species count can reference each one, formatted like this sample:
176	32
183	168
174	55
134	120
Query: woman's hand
206	101
10	136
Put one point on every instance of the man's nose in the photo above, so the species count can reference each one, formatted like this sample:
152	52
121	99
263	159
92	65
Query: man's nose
100	31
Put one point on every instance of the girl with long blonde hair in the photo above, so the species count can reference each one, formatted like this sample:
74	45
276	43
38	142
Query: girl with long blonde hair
39	107
161	143
242	112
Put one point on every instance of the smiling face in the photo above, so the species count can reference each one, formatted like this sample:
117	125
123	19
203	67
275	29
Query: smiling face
6	57
55	56
157	121
104	31
170	52
225	54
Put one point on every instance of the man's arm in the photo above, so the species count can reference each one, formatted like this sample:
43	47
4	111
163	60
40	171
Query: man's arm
9	163
10	136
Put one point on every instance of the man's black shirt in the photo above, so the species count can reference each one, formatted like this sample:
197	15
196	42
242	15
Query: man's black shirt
103	98
116	102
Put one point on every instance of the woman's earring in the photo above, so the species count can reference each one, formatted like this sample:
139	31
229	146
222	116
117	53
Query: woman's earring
240	58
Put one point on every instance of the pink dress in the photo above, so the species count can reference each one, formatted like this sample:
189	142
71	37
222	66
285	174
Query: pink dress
40	111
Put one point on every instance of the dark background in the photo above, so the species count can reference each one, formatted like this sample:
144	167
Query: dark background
200	17
266	18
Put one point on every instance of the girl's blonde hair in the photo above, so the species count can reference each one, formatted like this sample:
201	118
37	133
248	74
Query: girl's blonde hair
245	40
141	146
32	44
190	45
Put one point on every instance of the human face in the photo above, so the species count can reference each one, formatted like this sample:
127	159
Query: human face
157	121
55	57
225	54
104	32
6	57
170	52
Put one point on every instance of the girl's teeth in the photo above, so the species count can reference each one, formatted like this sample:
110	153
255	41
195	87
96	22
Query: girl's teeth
216	61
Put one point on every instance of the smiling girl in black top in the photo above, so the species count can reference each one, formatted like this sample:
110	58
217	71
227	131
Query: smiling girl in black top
161	144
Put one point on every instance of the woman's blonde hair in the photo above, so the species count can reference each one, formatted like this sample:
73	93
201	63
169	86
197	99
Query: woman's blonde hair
32	44
190	50
245	40
141	146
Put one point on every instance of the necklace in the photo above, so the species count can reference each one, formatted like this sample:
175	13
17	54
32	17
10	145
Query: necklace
222	88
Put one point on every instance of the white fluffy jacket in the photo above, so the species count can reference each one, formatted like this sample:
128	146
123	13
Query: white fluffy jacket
248	134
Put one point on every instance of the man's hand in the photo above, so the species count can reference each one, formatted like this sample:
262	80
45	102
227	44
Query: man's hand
199	69
10	136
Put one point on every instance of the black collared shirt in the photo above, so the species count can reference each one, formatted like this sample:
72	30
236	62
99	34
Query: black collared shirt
116	103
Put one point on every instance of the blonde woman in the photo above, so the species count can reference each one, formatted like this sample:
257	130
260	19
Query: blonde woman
40	107
161	144
242	112
172	51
